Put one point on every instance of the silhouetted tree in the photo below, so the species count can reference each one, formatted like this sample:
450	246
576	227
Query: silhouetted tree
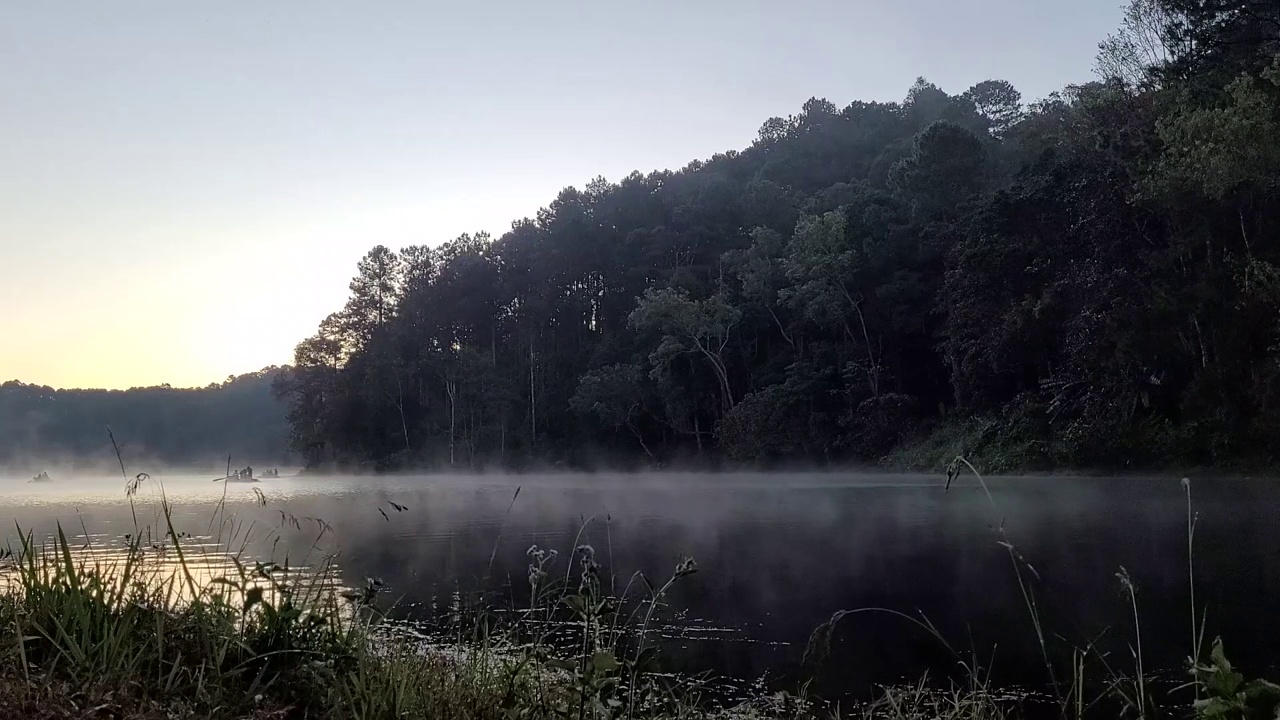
1088	278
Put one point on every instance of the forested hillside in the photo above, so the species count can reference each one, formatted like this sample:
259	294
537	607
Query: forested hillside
1089	279
156	427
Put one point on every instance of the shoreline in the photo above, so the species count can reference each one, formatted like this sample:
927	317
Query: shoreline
1175	473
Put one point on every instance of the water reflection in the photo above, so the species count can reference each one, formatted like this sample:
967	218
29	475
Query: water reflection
779	554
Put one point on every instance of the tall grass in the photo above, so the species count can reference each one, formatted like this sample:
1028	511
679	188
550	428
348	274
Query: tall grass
128	620
1218	690
203	631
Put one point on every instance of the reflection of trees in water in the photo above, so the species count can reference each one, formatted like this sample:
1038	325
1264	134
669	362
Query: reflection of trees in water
777	563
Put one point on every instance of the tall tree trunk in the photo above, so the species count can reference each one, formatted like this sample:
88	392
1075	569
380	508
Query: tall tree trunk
631	426
533	403
873	363
1204	351
722	374
785	335
404	426
451	389
471	434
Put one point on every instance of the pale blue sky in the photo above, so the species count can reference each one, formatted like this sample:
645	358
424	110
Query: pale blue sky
185	187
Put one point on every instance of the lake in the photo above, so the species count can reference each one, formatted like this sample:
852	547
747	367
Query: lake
778	554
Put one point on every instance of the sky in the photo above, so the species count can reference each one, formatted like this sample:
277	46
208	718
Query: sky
186	187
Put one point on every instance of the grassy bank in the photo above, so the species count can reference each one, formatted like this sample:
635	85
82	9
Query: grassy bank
176	626
137	638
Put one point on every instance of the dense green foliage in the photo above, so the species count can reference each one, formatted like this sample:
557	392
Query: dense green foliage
161	425
1089	279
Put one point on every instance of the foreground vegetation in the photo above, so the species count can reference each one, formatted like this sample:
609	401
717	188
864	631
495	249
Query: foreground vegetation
144	632
141	632
87	640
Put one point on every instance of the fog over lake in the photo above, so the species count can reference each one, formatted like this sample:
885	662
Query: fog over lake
778	554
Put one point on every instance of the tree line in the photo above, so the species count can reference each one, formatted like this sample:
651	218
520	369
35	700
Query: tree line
155	427
1088	279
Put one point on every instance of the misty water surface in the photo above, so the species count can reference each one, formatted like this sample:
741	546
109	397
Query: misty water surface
779	553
